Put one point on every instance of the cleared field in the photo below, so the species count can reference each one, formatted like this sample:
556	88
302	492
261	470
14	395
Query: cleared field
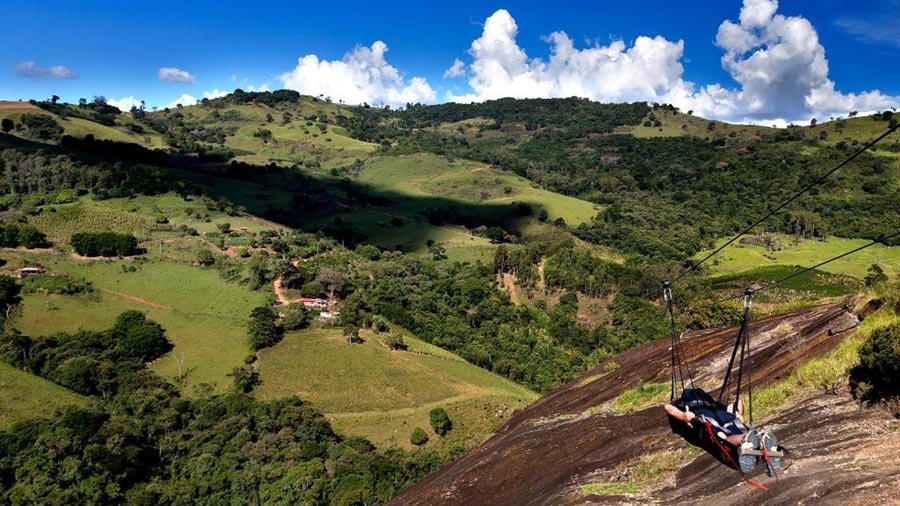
431	177
136	216
24	396
742	257
369	390
682	124
204	316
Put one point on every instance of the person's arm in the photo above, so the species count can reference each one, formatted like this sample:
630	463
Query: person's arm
685	416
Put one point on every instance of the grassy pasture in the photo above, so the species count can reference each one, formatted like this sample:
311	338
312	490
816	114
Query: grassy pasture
743	257
204	316
369	390
137	216
430	177
24	396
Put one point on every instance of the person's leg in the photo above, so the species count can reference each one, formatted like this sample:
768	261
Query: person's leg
735	440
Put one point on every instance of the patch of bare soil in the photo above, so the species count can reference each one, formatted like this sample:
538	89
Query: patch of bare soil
840	453
6	105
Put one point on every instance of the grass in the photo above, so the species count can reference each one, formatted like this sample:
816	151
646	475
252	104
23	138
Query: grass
640	397
24	396
203	315
822	373
644	475
743	257
464	182
137	216
681	124
369	390
79	127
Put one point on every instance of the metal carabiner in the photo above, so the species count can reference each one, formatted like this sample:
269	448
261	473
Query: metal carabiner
748	297
667	290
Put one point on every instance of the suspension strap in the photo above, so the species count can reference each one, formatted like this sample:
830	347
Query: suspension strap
739	344
678	356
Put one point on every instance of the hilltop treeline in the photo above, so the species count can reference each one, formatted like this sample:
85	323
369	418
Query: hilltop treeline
139	442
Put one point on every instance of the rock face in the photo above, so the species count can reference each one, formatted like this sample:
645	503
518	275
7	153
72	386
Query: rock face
545	453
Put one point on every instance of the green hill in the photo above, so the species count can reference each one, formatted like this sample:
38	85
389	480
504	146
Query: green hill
368	390
24	396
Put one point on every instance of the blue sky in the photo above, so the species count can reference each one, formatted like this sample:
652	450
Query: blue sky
117	48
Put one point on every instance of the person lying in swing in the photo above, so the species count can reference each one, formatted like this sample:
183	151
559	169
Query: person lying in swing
695	405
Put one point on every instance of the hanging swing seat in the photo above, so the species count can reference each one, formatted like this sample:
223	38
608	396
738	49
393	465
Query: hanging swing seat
713	422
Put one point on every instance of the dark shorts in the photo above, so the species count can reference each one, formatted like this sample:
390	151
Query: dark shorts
721	421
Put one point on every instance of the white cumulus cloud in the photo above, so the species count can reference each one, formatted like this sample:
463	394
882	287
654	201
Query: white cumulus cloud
362	75
781	69
124	104
184	100
175	75
30	70
615	73
777	61
457	69
215	93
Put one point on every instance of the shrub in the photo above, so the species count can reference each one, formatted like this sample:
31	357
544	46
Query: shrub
66	196
205	258
395	342
60	285
42	127
418	436
78	374
879	362
108	244
296	317
245	379
440	421
379	324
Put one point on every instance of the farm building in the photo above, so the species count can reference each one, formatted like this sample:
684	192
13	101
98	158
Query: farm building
29	271
313	303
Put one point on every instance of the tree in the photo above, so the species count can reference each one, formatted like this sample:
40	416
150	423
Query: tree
440	421
54	99
332	279
9	295
6	125
263	328
139	337
296	317
245	379
418	436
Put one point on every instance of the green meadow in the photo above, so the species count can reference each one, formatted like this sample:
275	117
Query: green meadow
24	396
204	316
805	252
369	390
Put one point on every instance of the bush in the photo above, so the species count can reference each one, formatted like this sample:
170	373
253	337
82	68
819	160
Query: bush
205	258
296	317
78	374
59	285
263	328
107	244
42	127
395	342
440	421
12	236
879	362
245	379
418	436
66	196
379	324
